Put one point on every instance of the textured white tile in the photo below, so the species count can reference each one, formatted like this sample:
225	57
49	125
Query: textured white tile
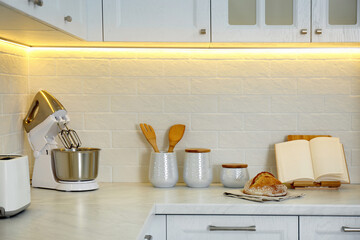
324	86
342	103
222	156
254	170
76	121
164	86
11	64
83	67
350	139
12	143
244	139
297	104
270	86
11	123
266	122
199	140
355	86
355	157
42	66
129	139
325	121
354	173
110	121
260	157
217	122
130	174
216	86
114	85
119	156
190	104
164	121
355	121
244	104
136	103
104	174
95	139
84	103
15	103
193	68
13	84
56	85
136	68
236	68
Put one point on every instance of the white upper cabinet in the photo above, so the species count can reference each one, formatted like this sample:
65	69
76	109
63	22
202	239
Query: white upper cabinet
157	20
260	20
80	18
336	21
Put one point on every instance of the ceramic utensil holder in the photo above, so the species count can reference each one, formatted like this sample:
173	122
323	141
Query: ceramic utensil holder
163	171
197	168
234	175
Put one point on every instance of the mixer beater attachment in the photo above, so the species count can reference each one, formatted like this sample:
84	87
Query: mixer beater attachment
69	137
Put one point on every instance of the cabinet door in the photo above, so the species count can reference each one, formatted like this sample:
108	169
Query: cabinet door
157	20
154	228
260	20
84	18
206	227
336	21
329	228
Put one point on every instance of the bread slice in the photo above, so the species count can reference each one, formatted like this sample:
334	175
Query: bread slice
265	184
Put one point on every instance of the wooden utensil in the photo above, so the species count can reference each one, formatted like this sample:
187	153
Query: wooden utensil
150	135
175	134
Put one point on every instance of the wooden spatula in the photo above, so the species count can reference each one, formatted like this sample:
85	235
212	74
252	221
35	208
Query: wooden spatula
150	135
175	134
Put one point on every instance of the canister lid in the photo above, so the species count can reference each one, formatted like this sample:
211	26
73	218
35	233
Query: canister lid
197	150
235	165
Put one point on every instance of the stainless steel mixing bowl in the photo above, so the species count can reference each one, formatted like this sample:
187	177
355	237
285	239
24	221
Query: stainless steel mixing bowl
77	164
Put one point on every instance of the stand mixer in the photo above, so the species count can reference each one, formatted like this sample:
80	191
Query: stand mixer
65	169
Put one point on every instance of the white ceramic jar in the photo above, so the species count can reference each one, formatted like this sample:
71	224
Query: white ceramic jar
234	175
163	170
197	167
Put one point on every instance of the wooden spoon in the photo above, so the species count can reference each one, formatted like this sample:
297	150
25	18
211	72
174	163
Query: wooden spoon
150	135
175	134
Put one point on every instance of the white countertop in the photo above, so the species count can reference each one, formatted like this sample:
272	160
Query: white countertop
119	210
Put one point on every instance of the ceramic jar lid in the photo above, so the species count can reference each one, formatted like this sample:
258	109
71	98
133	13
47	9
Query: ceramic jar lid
235	165
197	150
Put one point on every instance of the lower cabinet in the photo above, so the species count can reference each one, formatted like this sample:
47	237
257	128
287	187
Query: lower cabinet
329	228
207	227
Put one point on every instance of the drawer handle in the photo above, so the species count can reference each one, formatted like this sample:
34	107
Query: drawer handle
148	237
350	229
221	228
38	2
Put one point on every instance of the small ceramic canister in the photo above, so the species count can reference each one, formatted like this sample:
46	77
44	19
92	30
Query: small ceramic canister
197	167
234	175
163	170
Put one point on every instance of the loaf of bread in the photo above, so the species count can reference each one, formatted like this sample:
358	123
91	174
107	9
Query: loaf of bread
265	184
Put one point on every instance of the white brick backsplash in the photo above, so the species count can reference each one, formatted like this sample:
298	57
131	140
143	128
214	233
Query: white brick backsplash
297	104
216	86
190	104
95	139
270	86
237	102
235	68
161	86
342	103
84	103
119	157
56	85
165	120
196	68
244	140
110	121
114	85
263	122
325	121
324	86
137	103
244	104
217	122
260	157
79	67
136	68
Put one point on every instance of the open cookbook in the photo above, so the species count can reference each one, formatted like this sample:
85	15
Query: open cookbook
320	159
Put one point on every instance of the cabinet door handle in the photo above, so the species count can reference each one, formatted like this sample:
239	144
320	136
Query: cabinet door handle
350	229
203	31
148	237
318	31
68	19
38	2
304	31
222	228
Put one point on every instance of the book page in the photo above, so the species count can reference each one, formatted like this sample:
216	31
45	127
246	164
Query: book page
293	161
327	156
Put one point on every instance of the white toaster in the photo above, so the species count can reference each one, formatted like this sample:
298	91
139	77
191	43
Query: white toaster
14	184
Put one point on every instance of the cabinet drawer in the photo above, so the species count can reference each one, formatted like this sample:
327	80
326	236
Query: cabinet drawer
329	228
210	227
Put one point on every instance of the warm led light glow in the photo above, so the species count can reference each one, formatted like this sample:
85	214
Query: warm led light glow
12	43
